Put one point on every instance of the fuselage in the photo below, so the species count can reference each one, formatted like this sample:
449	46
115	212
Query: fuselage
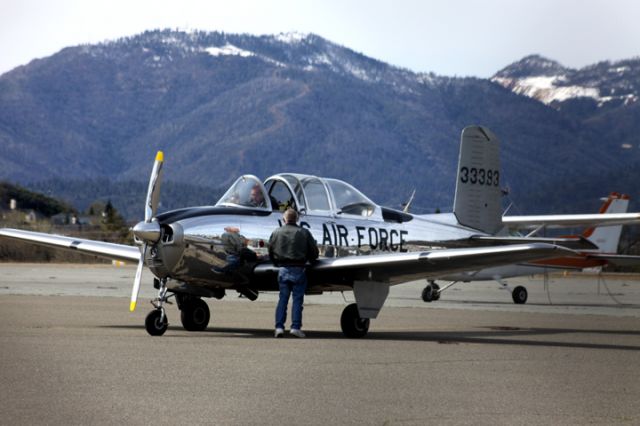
191	248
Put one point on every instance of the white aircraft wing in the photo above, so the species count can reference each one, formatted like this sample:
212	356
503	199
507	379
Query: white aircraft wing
402	267
390	267
98	248
571	220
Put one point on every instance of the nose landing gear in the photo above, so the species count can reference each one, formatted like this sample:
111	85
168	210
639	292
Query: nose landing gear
156	322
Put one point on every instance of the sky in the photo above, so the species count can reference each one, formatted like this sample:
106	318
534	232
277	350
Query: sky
447	37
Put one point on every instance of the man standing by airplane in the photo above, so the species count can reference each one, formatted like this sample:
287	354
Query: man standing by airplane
290	247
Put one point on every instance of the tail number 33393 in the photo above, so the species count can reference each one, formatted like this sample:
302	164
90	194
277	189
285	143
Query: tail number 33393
479	176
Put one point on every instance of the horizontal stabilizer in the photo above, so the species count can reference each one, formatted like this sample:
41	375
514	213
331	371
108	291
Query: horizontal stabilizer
571	220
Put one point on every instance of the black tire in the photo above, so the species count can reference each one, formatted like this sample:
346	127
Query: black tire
195	315
154	326
519	295
436	291
352	325
428	295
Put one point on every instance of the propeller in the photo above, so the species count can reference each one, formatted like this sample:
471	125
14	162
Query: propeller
148	230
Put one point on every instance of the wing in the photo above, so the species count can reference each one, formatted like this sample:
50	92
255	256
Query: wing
616	259
396	268
96	248
570	220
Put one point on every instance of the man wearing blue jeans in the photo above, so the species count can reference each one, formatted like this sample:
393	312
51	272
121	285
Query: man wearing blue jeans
290	247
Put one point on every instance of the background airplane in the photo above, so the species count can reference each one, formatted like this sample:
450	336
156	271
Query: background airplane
605	240
365	247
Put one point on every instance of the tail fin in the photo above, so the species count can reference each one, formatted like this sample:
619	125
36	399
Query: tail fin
608	237
477	202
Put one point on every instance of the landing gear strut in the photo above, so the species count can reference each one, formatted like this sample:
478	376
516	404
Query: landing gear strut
156	322
352	325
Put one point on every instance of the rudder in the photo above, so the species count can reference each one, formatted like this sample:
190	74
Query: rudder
608	237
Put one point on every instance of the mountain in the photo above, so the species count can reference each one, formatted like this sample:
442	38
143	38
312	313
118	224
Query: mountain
221	105
605	85
603	97
602	100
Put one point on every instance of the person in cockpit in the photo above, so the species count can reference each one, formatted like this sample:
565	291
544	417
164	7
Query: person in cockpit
256	198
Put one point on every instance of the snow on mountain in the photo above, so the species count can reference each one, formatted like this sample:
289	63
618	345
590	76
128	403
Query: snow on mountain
307	52
228	49
547	89
551	83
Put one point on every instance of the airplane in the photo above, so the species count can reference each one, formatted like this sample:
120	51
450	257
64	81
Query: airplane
605	241
365	247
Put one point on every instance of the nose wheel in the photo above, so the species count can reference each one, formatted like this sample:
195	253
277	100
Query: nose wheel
156	322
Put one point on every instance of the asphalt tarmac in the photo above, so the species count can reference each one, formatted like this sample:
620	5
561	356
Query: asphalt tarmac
71	353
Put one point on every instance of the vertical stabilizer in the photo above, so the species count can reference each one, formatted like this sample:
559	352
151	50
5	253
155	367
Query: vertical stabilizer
477	202
608	237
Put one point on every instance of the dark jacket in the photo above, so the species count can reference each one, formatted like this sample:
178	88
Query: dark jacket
292	245
232	242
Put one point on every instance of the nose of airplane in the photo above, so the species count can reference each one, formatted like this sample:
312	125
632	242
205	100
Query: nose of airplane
148	232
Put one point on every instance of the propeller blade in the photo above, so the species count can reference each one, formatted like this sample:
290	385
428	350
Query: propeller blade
153	192
137	280
148	233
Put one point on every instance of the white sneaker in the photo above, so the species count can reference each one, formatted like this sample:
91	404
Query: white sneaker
279	332
297	333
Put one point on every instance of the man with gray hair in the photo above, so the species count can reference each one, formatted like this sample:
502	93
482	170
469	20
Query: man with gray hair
290	247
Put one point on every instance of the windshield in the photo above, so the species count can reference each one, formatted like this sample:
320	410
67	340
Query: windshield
247	191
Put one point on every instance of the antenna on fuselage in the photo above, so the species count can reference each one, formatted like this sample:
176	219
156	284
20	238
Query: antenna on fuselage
408	203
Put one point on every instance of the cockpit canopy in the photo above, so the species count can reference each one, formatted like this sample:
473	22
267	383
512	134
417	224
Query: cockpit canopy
247	191
317	195
307	193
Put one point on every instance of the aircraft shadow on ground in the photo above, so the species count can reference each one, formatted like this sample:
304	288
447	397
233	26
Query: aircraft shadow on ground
492	335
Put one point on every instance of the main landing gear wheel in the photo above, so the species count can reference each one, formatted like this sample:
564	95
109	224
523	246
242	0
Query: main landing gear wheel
519	295
352	325
195	315
156	323
431	292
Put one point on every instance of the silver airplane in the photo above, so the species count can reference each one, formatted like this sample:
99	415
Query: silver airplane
365	248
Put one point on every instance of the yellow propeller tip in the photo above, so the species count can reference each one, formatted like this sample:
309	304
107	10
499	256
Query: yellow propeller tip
160	156
132	307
